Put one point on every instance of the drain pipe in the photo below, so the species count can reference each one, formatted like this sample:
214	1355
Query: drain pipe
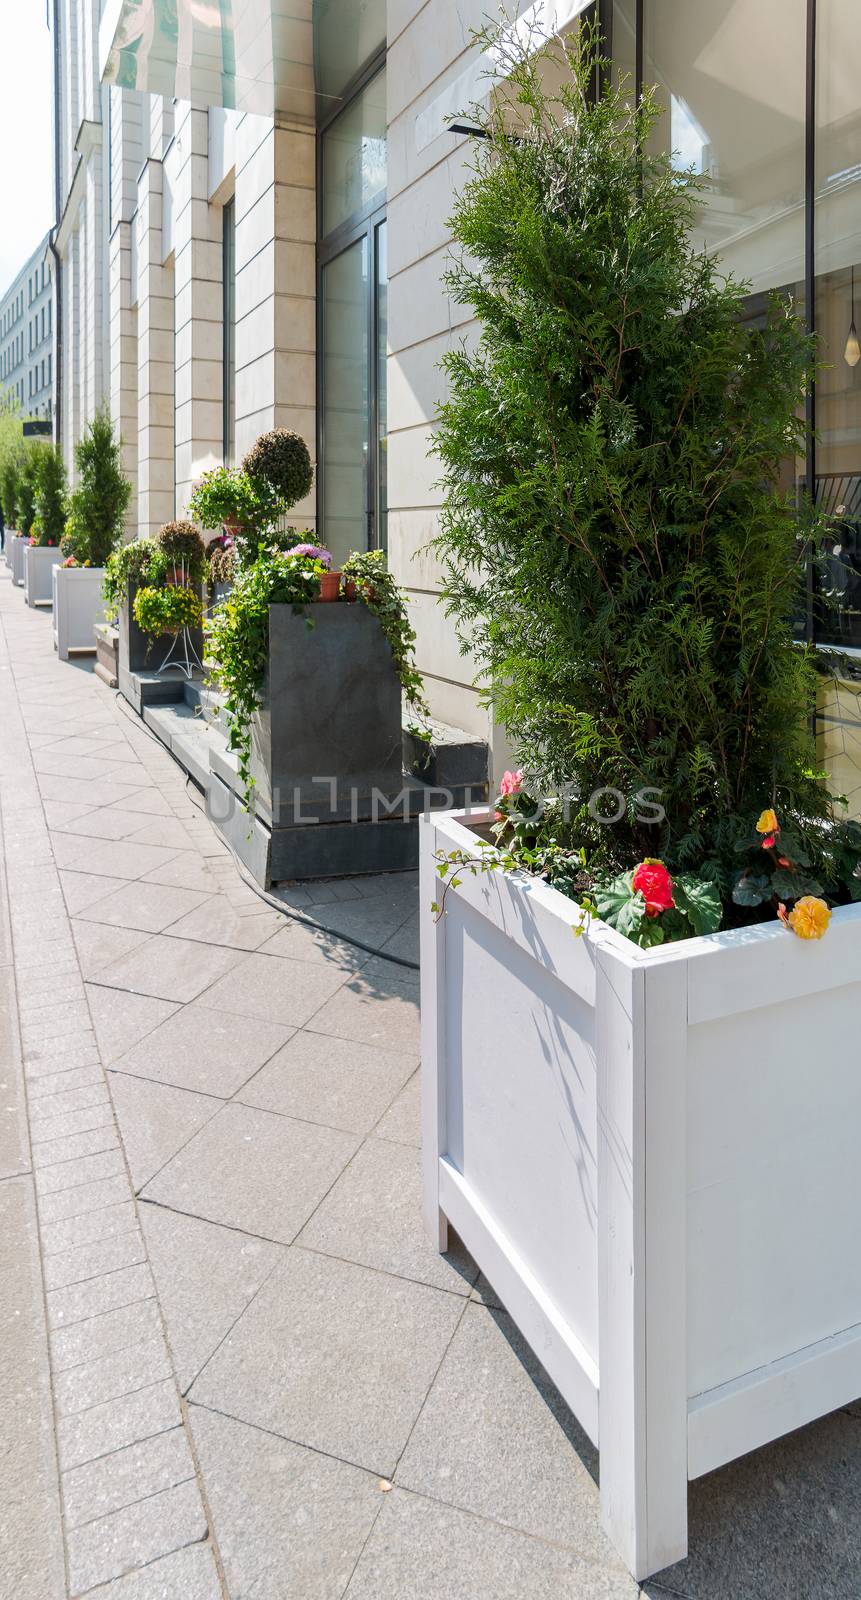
58	283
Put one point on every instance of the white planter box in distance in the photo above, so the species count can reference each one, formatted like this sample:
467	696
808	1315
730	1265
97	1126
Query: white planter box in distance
17	546
653	1156
38	562
78	606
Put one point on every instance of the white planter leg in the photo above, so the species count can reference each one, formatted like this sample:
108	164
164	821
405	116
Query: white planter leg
641	1261
433	1044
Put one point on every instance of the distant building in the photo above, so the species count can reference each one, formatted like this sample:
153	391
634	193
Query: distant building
27	337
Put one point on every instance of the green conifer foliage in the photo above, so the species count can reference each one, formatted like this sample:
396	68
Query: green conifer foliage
50	502
101	496
617	553
28	481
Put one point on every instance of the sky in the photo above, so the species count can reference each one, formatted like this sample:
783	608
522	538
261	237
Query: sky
26	124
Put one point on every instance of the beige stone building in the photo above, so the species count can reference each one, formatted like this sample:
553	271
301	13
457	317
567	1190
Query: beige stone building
281	172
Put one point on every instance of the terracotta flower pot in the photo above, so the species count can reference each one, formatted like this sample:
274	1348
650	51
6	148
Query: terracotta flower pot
330	586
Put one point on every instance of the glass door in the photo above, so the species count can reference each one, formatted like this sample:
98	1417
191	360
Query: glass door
352	328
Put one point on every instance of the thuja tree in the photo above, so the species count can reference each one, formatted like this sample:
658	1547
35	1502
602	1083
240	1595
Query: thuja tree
28	482
50	500
100	499
617	552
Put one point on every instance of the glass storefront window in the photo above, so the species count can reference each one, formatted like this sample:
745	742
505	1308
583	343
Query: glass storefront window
345	419
837	253
354	156
731	76
228	380
347	33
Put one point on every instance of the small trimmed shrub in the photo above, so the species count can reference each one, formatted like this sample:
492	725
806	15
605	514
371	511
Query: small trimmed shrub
9	492
50	499
181	543
28	479
281	460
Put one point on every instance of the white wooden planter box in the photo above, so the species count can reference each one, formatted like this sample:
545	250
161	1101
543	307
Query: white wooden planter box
38	562
17	545
654	1157
78	606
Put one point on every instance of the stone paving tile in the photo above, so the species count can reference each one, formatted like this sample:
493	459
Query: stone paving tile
99	1487
333	1356
53	1056
273	989
167	831
104	823
85	1197
200	1048
216	921
83	1170
300	943
781	1521
205	1276
156	1120
122	1019
50	1084
384	1181
251	1170
91	1228
149	907
31	1549
169	969
332	1081
87	1142
107	1427
83	889
66	1101
290	1522
188	1574
110	1377
111	859
149	802
185	870
99	1336
46	1130
56	1021
383	1012
33	998
491	1403
97	944
422	1551
138	1534
78	1302
402	1121
78	1262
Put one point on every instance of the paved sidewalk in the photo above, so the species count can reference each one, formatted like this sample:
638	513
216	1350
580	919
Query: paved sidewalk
248	1374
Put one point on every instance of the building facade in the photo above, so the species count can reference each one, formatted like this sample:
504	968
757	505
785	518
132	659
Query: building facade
80	235
27	337
280	184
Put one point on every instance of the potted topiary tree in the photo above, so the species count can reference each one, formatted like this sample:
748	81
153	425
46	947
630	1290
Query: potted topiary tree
43	552
94	526
645	1135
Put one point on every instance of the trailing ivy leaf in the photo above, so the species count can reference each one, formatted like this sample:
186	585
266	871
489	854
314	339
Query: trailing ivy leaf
792	885
752	889
700	902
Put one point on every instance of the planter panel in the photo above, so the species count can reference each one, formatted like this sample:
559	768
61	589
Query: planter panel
328	735
18	544
39	561
669	1136
78	606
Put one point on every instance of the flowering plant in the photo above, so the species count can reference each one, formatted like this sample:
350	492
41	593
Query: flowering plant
315	551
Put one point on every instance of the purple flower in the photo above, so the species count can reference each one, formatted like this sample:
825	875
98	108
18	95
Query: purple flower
315	551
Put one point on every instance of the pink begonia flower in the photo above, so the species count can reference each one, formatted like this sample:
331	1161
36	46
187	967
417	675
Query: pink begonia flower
512	783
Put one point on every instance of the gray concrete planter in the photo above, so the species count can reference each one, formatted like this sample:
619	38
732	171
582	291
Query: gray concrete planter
327	739
141	652
39	562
